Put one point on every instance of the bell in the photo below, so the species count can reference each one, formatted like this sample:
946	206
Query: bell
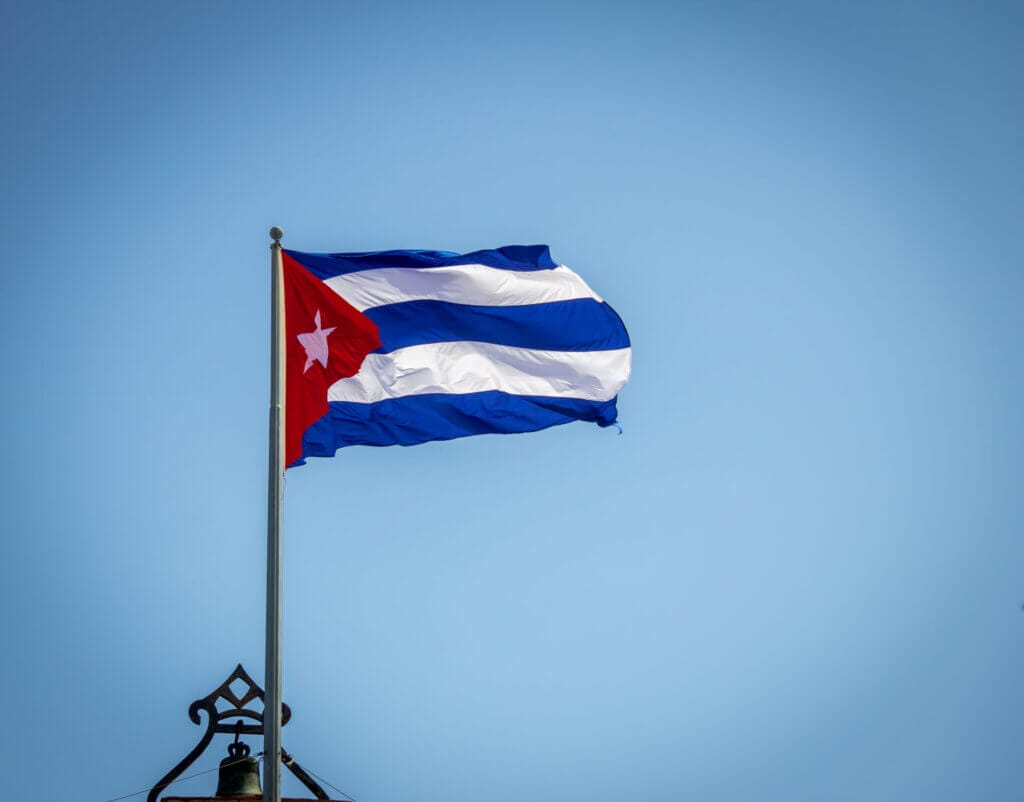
239	774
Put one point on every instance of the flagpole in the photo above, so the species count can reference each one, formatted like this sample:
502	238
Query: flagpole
272	700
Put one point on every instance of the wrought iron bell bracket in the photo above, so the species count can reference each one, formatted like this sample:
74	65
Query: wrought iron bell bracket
237	720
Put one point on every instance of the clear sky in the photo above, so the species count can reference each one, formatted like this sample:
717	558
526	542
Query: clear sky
796	575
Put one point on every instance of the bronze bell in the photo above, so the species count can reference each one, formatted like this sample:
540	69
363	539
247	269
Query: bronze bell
239	773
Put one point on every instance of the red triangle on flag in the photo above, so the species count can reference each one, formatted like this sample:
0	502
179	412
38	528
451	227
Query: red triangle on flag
326	339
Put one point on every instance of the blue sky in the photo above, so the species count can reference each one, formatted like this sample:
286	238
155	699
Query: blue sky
796	575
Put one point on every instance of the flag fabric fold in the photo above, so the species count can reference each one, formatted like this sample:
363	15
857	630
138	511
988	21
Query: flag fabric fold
405	347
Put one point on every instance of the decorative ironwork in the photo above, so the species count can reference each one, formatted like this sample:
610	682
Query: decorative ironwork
217	722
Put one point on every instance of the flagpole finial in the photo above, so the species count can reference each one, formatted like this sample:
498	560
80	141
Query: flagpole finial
276	232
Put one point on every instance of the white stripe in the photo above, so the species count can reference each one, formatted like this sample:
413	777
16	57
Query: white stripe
475	285
471	367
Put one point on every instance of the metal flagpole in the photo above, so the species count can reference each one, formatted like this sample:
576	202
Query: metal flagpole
272	700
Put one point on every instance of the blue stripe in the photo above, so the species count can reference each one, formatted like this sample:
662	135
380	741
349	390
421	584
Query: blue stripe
415	419
578	325
511	257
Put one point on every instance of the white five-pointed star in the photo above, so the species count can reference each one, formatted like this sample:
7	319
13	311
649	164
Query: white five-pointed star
315	343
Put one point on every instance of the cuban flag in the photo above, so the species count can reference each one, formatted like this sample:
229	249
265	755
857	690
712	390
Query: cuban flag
404	347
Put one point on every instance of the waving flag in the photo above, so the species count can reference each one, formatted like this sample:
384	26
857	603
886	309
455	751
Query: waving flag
404	347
